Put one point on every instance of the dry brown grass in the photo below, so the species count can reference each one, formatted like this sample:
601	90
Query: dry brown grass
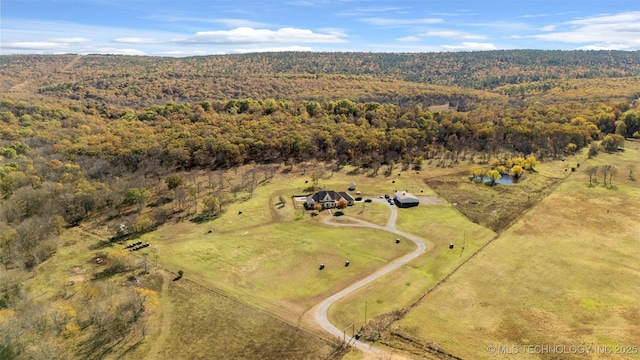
565	274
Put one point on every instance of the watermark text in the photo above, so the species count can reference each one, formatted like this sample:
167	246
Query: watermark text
535	349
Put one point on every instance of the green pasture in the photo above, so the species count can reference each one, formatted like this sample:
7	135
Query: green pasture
276	266
440	225
269	255
205	324
374	213
565	274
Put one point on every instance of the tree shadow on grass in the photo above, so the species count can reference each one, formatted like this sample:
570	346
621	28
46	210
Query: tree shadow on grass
105	274
97	346
203	218
101	245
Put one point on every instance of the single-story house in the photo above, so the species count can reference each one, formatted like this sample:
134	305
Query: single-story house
404	199
328	199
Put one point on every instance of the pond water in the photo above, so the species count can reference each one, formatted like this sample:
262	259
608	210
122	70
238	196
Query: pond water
505	180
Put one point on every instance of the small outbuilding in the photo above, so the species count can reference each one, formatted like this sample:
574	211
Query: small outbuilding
352	187
404	199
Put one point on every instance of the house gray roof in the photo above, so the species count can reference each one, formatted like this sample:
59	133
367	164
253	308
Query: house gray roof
329	195
325	195
406	197
345	195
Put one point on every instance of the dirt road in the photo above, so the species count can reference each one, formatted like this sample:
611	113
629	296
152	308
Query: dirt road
320	311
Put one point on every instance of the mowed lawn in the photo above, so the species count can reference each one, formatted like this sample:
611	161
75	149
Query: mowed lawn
439	225
207	325
567	273
269	255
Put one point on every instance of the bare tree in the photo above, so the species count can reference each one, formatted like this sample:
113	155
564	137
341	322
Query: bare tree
612	171
605	169
235	189
631	168
592	171
181	195
315	178
194	192
251	180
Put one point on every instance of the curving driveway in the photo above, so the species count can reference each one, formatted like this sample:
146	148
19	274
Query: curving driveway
320	311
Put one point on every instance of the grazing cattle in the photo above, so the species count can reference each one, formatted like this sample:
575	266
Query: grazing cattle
397	241
346	263
450	246
239	212
321	266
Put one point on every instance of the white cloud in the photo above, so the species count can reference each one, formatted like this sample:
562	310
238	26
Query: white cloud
73	40
410	39
612	46
272	49
549	28
627	17
224	21
367	11
619	31
470	46
505	26
32	45
246	35
136	40
115	51
180	53
401	22
454	34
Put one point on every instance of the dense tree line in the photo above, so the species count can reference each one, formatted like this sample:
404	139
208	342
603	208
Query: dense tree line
63	163
312	76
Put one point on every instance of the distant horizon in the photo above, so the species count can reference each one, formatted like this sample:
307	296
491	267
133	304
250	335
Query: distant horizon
169	28
323	52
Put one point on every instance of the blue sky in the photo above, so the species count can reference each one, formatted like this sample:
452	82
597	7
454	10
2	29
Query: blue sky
190	27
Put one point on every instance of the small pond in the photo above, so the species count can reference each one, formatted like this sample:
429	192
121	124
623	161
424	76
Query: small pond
505	180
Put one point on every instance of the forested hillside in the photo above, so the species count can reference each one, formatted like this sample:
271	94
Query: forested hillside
92	137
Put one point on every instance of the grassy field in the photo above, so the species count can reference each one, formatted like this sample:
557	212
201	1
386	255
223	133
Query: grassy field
256	266
439	224
205	324
260	257
268	256
565	274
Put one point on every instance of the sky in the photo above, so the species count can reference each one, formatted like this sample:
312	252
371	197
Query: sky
199	27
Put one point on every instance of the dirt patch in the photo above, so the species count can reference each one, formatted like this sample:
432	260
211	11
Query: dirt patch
342	220
100	259
76	279
430	200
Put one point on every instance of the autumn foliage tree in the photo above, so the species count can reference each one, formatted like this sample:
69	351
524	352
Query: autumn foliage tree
517	171
342	204
212	205
476	172
612	142
493	175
